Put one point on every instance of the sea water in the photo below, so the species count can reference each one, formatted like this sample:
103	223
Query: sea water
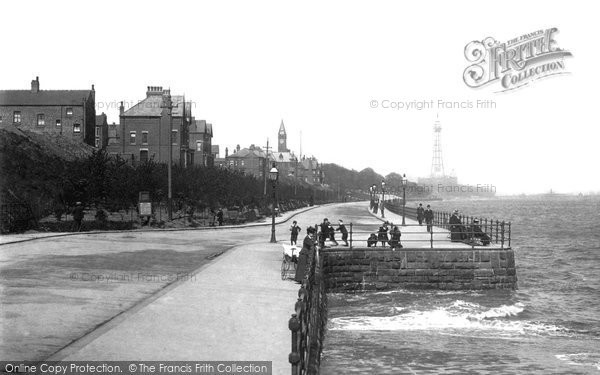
549	325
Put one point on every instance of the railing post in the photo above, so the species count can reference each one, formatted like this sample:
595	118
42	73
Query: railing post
431	236
502	239
350	236
294	357
497	227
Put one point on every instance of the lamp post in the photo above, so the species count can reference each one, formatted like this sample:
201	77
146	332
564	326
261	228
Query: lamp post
168	104
374	190
404	183
382	198
273	176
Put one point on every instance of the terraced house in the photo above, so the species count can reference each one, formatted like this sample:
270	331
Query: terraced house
64	113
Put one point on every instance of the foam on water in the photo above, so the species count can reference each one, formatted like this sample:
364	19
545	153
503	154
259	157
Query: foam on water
459	315
581	359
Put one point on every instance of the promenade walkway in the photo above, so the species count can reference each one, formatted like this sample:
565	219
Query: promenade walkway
235	308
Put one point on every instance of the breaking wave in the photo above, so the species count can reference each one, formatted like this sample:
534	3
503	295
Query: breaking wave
459	315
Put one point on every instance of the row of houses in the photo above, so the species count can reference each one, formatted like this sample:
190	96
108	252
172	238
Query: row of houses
256	161
160	124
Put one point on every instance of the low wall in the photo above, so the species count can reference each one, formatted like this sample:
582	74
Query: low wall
451	269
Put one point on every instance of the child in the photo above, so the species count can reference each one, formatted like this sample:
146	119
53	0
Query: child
372	240
295	229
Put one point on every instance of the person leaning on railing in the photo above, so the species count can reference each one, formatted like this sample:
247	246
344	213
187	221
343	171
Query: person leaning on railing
308	247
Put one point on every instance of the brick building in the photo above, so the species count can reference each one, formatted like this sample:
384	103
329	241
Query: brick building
200	138
287	163
101	132
251	161
146	129
66	113
310	171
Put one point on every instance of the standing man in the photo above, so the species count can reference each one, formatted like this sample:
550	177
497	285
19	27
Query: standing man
429	218
342	228
295	229
420	213
220	216
78	216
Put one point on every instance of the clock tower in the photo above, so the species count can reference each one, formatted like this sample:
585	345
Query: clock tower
282	136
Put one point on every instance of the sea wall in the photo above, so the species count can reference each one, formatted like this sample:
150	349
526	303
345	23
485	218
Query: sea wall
448	269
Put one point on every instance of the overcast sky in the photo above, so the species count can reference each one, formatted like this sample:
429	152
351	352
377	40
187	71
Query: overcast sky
318	65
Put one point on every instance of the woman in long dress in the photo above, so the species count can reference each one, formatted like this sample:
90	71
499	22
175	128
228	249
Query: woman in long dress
308	247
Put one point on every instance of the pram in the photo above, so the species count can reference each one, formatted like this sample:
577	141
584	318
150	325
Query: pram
289	261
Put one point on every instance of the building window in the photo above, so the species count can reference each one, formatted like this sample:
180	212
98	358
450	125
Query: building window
143	156
199	146
41	121
144	138
58	123
17	117
76	128
69	111
131	138
97	142
0	119
242	163
97	131
174	137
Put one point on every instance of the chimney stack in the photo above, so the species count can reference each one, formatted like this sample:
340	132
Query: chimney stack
226	151
35	85
154	90
121	109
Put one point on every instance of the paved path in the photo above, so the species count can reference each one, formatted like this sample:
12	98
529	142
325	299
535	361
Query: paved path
6	239
235	308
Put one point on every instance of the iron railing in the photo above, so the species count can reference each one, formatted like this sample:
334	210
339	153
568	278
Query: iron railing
499	231
308	323
485	232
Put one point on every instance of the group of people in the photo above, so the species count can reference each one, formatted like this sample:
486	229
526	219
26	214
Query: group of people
460	232
327	232
425	214
308	245
382	236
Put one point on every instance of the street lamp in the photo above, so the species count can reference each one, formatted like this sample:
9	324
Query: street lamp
168	104
404	183
382	198
273	176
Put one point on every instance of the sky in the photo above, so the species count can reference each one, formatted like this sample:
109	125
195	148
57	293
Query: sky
320	66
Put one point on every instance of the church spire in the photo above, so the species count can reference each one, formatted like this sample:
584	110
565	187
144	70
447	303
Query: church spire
282	135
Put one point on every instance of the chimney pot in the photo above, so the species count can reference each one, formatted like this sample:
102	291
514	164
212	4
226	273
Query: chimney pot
35	84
